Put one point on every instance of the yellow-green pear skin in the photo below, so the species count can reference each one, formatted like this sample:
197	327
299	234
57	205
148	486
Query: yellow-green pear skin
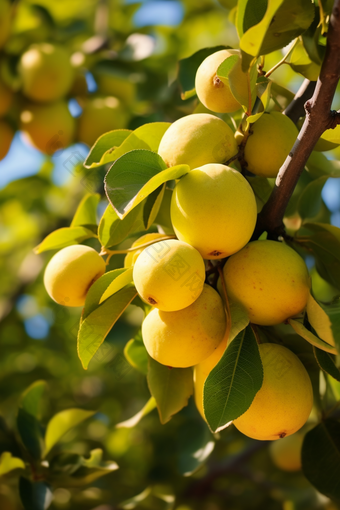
46	72
71	272
286	453
196	140
269	279
213	208
270	142
188	336
201	372
169	275
213	93
285	400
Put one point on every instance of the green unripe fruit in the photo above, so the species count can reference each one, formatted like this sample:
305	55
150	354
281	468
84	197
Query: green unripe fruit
271	141
100	115
286	454
285	400
71	272
269	279
213	92
213	208
48	127
188	336
196	140
6	137
46	72
169	275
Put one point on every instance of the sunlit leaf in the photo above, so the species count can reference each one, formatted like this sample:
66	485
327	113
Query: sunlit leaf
64	237
301	330
136	355
61	423
132	422
104	146
86	213
118	283
9	463
113	230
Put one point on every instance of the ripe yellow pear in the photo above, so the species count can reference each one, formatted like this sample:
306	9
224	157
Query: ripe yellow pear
46	72
196	140
202	370
286	454
6	137
269	279
169	275
5	21
213	208
71	272
271	140
100	115
188	336
48	127
6	99
214	93
284	402
132	256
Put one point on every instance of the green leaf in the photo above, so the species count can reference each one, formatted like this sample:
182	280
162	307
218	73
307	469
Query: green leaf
171	388
117	284
9	463
132	422
163	217
239	320
28	417
301	330
34	495
112	230
301	63
310	200
135	176
321	458
262	190
152	205
195	444
249	13
61	423
31	399
320	321
319	165
86	213
64	237
327	363
104	146
96	291
136	355
283	21
232	385
187	69
333	313
97	325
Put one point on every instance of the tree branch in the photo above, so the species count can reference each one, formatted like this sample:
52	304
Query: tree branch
319	118
296	108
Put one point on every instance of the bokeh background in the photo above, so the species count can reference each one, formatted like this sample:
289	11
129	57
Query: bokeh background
130	51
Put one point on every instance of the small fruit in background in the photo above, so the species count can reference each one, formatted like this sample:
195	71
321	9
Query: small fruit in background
46	72
272	138
188	336
285	400
196	140
269	279
214	93
169	275
71	272
48	127
286	453
213	208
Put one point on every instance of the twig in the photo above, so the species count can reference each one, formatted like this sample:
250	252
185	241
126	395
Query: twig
296	108
319	118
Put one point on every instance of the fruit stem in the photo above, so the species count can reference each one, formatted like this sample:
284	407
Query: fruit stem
283	60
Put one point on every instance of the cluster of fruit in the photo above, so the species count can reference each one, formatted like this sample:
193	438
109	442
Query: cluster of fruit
48	76
213	214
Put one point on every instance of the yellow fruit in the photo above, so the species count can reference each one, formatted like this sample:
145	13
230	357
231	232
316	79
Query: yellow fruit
132	256
286	454
46	72
71	272
269	279
188	336
284	402
169	275
6	137
5	21
196	140
6	99
100	115
48	127
213	208
202	370
211	91
272	139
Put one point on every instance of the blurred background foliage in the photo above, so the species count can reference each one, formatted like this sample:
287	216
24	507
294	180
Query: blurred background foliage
130	51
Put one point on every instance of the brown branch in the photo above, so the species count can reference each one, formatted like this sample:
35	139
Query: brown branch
319	118
296	108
